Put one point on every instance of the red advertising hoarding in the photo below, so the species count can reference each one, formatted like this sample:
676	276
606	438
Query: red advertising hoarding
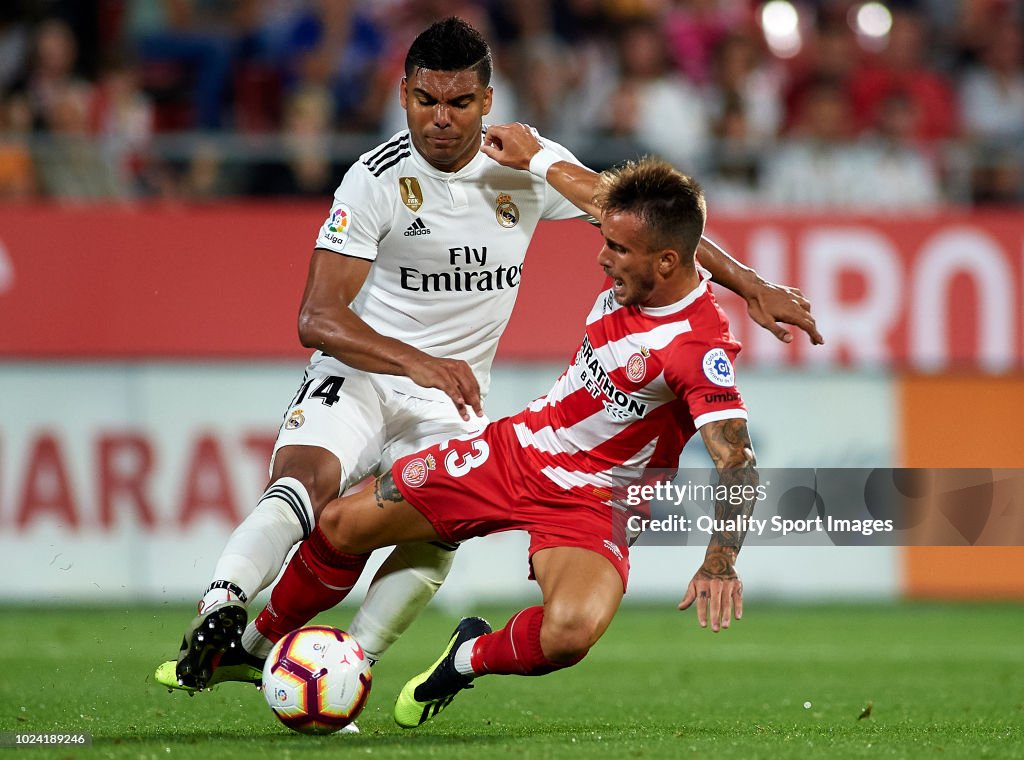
932	292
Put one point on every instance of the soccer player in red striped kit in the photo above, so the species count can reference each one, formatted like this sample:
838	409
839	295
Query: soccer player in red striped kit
655	366
412	281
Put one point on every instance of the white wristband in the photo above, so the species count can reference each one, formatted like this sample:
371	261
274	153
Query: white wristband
542	160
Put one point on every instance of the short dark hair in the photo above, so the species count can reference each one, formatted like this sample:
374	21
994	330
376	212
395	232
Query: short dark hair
669	203
450	45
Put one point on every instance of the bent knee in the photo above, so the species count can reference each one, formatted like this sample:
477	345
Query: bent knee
341	530
566	635
332	522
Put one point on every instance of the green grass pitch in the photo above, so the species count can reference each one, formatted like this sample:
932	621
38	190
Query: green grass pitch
941	680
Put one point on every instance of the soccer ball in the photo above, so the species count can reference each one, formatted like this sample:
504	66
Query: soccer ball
316	679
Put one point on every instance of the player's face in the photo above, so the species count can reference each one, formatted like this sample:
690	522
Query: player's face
627	258
445	111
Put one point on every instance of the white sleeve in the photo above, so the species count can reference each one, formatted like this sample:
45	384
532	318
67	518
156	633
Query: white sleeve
555	204
359	218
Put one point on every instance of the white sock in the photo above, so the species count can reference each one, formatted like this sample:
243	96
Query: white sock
402	587
259	546
463	656
255	642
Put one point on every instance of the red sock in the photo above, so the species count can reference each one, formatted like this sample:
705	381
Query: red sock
316	579
515	649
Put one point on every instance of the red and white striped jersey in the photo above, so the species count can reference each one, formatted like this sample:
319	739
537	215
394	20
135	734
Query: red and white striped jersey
642	382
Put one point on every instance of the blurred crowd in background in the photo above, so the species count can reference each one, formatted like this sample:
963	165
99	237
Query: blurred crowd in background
883	106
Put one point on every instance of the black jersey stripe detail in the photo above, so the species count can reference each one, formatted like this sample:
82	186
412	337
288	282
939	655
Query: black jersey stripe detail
384	167
372	164
386	147
389	160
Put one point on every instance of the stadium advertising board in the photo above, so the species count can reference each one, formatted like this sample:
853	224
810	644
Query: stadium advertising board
111	473
141	450
929	293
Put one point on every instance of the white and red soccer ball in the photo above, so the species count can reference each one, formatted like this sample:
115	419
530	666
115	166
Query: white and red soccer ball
316	679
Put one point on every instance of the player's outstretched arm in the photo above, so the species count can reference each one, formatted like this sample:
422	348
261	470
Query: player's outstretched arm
767	303
327	323
716	587
516	145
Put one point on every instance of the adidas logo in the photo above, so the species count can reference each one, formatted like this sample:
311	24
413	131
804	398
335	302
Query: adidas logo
431	709
417	228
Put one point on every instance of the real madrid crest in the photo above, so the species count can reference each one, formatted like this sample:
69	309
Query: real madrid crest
295	420
409	189
507	212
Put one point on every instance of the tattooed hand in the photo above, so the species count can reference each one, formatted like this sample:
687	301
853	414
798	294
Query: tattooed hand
717	590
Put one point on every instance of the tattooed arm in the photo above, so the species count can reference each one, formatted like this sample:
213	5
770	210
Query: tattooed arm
385	490
715	586
374	517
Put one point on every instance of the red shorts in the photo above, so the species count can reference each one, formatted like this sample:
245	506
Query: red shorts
485	483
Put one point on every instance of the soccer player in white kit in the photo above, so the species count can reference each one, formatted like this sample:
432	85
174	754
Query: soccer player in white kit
411	284
654	367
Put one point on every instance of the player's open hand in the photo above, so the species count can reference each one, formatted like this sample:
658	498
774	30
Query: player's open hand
511	145
770	304
454	377
718	592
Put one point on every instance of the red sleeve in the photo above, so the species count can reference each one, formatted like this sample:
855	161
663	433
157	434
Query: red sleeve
703	375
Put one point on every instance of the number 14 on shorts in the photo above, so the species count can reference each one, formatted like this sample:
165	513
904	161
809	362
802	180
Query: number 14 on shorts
328	391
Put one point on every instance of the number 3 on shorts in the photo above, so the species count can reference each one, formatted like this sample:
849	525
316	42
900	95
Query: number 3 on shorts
458	464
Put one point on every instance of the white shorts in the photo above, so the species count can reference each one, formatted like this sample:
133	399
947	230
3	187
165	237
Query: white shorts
364	421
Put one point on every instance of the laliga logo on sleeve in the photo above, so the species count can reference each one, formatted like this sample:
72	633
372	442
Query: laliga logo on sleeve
339	220
415	473
336	227
718	368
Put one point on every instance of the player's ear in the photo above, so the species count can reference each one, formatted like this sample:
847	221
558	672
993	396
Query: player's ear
488	95
403	96
668	260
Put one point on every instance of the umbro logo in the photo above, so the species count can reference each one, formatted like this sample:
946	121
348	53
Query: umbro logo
417	228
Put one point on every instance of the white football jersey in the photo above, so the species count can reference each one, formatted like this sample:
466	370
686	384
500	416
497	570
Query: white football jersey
447	249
